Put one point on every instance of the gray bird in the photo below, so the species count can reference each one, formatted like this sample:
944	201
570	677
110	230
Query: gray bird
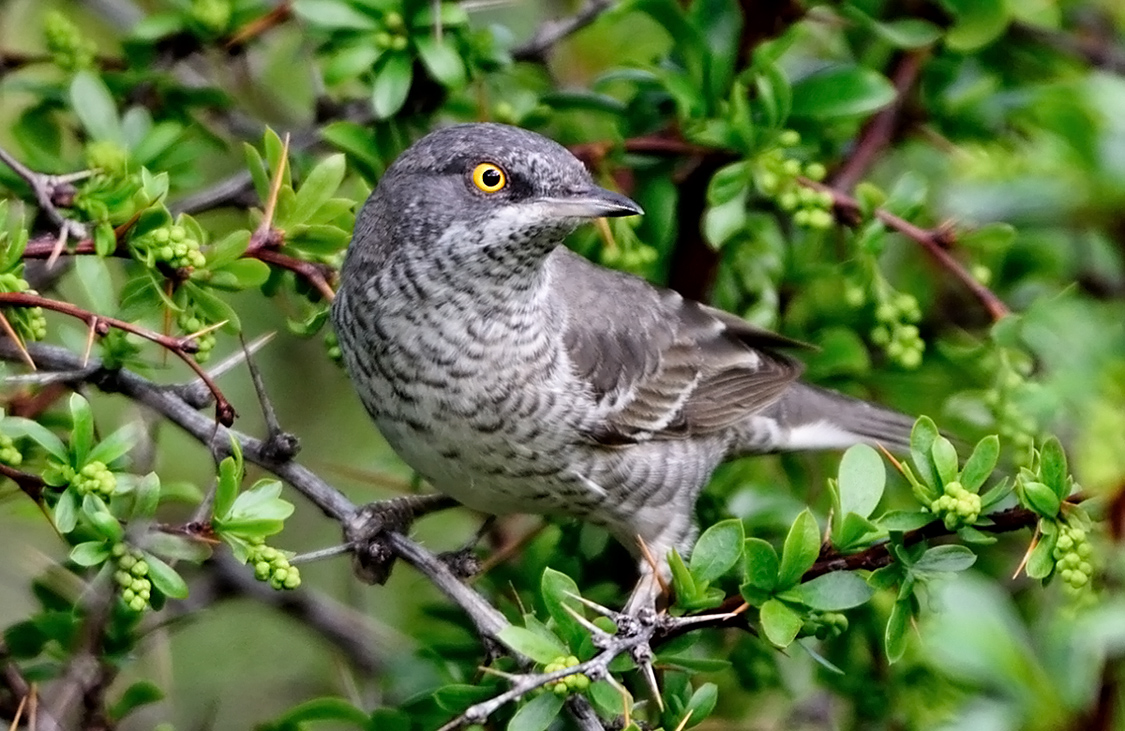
516	376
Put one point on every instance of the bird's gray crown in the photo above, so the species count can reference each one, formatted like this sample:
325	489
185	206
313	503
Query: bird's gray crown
429	192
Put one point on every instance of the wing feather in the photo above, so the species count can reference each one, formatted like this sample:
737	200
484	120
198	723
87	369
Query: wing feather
664	366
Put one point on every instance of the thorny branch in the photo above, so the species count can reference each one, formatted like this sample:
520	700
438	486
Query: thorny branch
936	242
51	192
100	324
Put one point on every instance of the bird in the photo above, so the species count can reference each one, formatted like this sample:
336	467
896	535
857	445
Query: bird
517	376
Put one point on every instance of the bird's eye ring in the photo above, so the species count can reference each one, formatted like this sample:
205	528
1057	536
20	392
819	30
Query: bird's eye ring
489	178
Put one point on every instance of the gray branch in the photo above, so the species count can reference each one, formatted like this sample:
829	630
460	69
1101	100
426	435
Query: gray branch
551	32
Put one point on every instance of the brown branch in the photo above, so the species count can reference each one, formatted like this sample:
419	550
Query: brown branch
258	26
181	347
1096	46
31	485
879	130
936	242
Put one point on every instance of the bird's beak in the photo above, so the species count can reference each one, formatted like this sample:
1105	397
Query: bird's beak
591	202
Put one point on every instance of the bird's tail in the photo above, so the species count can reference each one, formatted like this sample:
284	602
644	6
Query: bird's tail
808	418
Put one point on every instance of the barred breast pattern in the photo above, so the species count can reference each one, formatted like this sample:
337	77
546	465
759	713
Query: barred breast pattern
469	382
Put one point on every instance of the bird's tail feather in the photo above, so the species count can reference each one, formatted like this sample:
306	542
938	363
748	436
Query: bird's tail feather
816	418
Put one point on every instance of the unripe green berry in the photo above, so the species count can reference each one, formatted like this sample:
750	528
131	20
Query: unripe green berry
815	171
398	43
789	138
791	167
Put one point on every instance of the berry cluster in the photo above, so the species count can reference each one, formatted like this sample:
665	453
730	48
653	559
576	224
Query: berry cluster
9	455
571	683
394	38
332	348
109	157
189	323
171	245
777	178
896	332
69	49
1072	558
28	322
626	251
95	479
131	573
824	625
212	15
272	565
957	506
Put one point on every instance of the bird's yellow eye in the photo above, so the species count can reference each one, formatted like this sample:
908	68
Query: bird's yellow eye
489	178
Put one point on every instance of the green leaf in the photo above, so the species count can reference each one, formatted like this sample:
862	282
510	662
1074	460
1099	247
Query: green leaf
761	566
780	624
164	578
321	709
682	580
456	698
349	61
728	182
802	546
90	553
861	481
895	637
104	522
979	22
536	714
212	308
944	559
1041	498
1052	467
66	511
442	60
239	275
831	592
717	550
557	588
229	249
262	502
17	426
140	693
318	188
392	84
115	446
230	477
93	105
904	520
93	273
844	91
908	32
532	644
922	438
701	705
82	436
146	497
1041	561
722	222
945	460
980	463
333	14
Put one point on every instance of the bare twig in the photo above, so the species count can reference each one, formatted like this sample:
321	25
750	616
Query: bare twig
551	32
31	485
51	191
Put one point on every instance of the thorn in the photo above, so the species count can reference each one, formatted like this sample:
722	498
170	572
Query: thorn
275	189
891	458
321	554
273	426
489	670
236	358
626	698
90	340
684	721
60	246
604	611
10	331
1027	554
590	626
204	331
650	679
653	564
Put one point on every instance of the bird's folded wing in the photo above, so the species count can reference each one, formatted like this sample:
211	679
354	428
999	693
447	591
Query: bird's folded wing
664	367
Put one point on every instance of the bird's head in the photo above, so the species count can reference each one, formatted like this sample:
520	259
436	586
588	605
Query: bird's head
483	192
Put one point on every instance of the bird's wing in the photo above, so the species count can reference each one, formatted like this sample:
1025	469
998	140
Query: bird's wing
666	367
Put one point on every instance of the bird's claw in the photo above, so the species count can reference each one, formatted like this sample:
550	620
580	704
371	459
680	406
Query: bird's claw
366	529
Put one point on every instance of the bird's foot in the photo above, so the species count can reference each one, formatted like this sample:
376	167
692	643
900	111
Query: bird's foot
367	528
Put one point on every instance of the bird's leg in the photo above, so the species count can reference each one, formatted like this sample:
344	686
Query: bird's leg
365	531
464	561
